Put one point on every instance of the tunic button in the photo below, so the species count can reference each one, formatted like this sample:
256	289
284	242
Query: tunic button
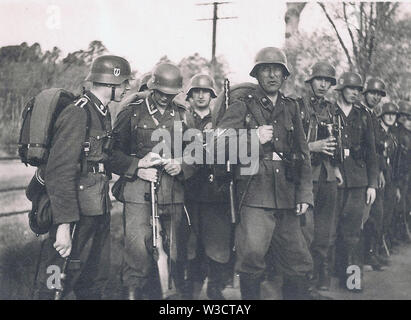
145	126
277	170
275	121
276	139
164	127
346	135
81	187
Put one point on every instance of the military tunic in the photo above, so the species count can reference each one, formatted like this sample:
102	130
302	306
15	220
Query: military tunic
134	128
76	179
268	198
359	170
316	115
207	201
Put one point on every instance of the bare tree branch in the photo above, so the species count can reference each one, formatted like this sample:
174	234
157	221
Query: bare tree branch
354	46
347	54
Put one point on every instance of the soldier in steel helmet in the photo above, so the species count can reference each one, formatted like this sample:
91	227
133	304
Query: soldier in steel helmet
317	117
392	195
403	134
207	202
373	93
135	161
359	169
76	178
272	199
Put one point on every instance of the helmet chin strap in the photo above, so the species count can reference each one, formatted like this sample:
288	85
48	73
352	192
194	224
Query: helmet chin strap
113	93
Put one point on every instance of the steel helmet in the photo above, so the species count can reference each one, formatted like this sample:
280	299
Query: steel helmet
109	70
404	107
166	78
375	84
270	55
143	83
349	79
323	69
201	81
388	107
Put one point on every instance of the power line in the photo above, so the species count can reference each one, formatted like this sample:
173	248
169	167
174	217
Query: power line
214	19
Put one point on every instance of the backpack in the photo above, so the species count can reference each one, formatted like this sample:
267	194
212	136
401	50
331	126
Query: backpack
39	116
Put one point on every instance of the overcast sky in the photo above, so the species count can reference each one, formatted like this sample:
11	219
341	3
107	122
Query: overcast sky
142	31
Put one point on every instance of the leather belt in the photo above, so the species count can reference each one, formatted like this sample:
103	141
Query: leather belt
274	156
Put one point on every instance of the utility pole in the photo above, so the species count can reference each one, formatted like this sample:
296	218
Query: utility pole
215	18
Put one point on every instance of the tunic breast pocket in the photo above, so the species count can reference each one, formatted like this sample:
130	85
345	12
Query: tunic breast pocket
96	140
144	134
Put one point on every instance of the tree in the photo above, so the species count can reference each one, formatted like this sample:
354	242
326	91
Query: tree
292	18
367	24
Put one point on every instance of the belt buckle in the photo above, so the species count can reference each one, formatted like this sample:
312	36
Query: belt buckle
276	157
100	167
346	153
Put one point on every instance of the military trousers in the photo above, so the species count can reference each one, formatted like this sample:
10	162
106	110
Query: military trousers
138	239
388	208
321	220
263	231
88	270
373	226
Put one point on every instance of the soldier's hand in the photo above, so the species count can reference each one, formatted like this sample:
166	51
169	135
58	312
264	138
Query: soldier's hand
63	240
148	174
381	180
339	177
301	208
398	194
173	168
129	99
151	159
371	194
265	133
326	146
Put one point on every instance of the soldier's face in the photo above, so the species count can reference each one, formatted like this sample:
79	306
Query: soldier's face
389	119
320	86
200	98
373	98
162	99
351	94
270	77
121	91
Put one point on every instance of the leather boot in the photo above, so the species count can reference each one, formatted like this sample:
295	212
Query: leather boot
371	256
324	279
300	288
250	287
215	283
133	293
182	285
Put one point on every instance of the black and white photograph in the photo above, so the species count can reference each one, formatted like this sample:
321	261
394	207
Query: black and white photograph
190	150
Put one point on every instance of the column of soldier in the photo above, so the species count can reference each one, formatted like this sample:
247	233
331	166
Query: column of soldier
341	165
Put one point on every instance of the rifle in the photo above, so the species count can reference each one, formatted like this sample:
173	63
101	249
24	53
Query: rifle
158	251
58	294
339	153
232	193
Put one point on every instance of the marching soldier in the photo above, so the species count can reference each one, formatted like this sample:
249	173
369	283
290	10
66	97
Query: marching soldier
359	169
76	178
373	93
134	160
272	200
392	195
403	134
318	122
207	201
